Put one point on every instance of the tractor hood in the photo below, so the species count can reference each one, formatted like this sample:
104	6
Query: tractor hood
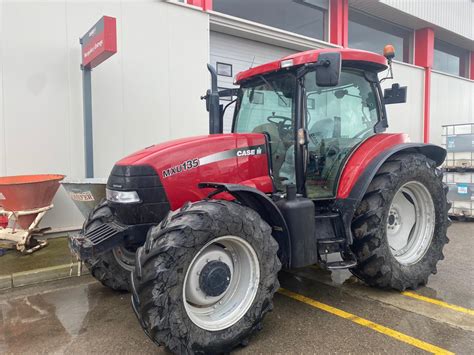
146	153
181	164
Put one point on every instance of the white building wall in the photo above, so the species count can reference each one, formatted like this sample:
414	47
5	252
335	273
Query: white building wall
454	15
452	102
146	93
407	117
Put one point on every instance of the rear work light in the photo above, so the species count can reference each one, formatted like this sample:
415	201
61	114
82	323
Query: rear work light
286	63
122	196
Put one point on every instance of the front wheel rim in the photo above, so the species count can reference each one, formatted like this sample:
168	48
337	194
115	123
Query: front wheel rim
218	312
410	223
124	257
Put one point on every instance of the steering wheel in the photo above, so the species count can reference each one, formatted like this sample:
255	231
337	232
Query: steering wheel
279	120
283	124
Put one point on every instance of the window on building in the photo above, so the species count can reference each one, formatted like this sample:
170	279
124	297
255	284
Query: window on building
304	17
450	59
372	34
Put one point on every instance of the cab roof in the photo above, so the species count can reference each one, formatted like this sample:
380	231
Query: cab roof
353	57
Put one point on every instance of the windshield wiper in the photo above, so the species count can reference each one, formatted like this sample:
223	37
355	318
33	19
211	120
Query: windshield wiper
273	88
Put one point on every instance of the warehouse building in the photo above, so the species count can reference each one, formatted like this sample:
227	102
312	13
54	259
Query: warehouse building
150	90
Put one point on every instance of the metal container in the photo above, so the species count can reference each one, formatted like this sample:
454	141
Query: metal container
85	193
459	177
24	200
458	140
26	193
461	193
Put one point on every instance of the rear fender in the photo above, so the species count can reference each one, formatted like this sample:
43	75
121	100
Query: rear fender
348	204
264	206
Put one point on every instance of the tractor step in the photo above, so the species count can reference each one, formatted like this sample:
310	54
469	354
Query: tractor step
331	241
342	264
329	246
327	215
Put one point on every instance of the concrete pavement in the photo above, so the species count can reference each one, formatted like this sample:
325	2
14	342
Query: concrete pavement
79	316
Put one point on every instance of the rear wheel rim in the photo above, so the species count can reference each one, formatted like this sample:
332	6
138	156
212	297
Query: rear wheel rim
411	223
219	312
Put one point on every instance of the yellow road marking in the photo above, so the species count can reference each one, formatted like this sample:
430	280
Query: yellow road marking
366	323
438	302
429	299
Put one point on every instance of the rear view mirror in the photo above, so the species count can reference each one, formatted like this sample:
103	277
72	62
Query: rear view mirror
395	95
328	69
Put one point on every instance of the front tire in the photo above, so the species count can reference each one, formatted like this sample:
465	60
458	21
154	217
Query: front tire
113	267
400	225
205	277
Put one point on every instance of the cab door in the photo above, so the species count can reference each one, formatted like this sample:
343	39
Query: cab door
338	119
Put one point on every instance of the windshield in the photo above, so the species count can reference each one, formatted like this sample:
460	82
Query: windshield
267	97
267	107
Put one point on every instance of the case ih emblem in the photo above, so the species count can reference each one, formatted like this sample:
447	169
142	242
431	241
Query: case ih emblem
246	152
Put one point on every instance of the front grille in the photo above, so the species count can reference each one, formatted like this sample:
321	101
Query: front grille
145	181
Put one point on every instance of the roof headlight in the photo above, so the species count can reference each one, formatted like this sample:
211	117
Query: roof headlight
122	196
286	63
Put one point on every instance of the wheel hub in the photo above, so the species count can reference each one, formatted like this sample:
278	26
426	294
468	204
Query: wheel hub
214	278
394	220
195	293
125	257
221	283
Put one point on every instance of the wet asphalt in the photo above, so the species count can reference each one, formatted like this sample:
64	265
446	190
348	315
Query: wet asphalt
79	316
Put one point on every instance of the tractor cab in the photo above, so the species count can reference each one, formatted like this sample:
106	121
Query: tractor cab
315	108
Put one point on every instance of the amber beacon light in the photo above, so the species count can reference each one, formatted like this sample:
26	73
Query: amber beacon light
389	52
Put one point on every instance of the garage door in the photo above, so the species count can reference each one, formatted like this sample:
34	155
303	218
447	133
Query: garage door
231	55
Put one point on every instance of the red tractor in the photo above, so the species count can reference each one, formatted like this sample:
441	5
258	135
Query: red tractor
198	228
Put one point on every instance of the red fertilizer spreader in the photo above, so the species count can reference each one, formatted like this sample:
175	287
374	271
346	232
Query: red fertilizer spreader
24	200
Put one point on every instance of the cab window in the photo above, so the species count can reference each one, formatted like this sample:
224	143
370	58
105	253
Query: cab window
337	119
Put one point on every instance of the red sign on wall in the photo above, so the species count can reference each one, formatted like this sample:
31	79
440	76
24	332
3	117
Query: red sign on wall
99	43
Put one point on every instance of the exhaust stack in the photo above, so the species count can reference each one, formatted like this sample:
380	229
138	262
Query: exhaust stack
212	104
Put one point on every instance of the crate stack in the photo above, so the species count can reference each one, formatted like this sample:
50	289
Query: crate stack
458	139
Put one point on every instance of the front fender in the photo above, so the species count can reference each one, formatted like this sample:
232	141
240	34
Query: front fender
264	206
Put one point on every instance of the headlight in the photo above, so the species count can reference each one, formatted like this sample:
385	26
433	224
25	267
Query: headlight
122	196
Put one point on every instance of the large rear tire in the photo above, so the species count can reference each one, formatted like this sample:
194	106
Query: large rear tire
205	277
400	226
113	267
